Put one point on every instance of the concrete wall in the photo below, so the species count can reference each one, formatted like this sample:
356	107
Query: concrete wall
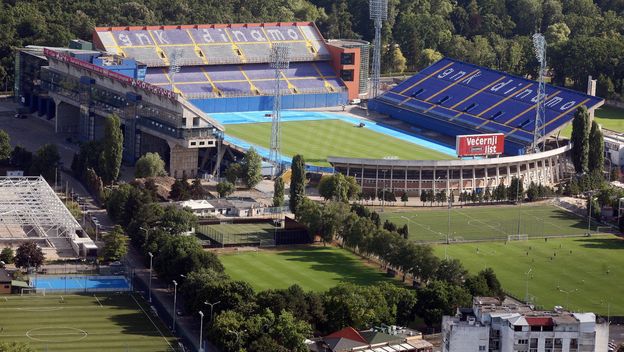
67	118
182	161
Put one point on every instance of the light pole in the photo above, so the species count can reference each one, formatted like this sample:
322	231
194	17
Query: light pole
519	203
383	190
150	276
590	199
211	306
526	296
175	296
146	234
201	330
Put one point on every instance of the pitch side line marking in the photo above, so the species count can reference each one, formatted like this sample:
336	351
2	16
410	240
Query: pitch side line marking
477	220
98	300
150	319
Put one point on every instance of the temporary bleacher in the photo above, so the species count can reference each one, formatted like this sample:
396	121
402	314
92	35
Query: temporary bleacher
227	61
453	97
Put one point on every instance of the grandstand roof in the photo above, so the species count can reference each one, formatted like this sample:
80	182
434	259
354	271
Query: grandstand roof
485	100
212	44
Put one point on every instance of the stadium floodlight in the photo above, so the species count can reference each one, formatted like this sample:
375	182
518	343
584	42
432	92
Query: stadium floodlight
150	275
378	13
539	45
280	60
174	65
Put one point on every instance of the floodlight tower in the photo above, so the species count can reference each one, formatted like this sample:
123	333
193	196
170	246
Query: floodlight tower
378	13
280	56
174	65
539	44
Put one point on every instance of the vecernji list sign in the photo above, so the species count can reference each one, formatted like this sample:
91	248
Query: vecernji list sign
480	144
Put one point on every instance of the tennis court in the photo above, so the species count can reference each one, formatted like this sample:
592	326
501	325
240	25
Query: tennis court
80	283
239	234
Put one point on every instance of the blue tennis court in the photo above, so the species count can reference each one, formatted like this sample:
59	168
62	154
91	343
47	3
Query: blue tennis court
81	283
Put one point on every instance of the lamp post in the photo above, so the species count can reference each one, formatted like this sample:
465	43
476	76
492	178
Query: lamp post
590	199
383	190
175	296
150	276
526	297
146	234
201	330
211	306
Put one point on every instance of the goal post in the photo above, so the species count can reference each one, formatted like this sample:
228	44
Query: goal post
521	237
604	229
32	291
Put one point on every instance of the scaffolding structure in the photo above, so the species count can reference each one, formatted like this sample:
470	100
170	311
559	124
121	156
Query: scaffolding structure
31	204
539	45
280	60
378	13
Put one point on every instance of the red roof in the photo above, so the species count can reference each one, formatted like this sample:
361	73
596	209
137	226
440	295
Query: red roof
348	333
540	321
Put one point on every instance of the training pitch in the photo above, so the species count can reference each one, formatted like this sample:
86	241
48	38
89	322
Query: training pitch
316	140
488	222
589	269
608	117
312	268
101	322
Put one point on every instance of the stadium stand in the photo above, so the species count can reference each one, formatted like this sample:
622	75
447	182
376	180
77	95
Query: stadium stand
454	97
225	61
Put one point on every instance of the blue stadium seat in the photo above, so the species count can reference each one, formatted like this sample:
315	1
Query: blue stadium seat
485	99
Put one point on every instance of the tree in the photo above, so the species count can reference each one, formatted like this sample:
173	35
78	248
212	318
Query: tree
29	255
180	190
197	190
150	165
112	149
176	221
451	271
5	146
116	202
355	306
252	168
45	162
297	182
7	255
595	161
21	158
404	198
115	244
515	191
233	173
440	298
225	188
278	192
15	347
580	140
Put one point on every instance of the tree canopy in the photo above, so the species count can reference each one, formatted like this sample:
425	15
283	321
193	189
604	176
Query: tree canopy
150	165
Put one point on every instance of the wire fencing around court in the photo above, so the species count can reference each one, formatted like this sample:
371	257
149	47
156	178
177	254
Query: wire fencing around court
80	283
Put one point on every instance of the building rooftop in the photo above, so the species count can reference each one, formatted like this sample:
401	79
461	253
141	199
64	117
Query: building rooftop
4	276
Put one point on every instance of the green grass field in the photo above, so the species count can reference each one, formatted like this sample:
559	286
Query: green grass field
312	268
237	233
488	222
610	118
592	265
112	322
316	140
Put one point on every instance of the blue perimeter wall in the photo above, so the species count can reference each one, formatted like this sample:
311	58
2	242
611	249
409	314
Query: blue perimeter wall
260	103
429	123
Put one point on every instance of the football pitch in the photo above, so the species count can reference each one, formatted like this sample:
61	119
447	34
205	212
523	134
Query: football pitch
608	117
316	140
312	268
488	222
582	274
101	322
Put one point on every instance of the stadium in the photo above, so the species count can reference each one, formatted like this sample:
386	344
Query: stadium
202	94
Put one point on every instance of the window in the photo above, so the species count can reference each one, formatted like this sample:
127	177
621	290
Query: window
346	75
418	92
573	343
533	343
481	348
443	100
517	328
523	342
470	107
347	58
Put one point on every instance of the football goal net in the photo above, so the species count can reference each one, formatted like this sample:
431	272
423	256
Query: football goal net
32	291
522	237
604	229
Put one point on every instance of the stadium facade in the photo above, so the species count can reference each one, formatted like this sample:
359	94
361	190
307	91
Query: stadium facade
164	81
455	98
